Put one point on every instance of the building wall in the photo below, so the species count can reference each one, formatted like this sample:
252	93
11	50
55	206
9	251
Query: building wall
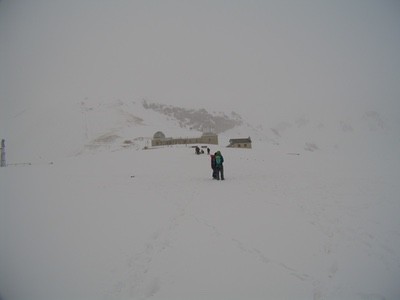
184	141
241	145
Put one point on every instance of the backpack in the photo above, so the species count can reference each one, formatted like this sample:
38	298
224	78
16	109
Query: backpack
218	160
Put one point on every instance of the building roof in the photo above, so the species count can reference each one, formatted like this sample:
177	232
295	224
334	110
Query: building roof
159	135
239	141
208	134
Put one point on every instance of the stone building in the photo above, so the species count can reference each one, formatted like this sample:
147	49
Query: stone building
159	139
240	143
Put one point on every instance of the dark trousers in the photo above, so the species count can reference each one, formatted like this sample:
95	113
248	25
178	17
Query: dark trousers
219	170
214	173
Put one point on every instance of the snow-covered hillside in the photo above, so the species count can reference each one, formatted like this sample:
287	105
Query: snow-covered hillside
88	210
108	220
43	133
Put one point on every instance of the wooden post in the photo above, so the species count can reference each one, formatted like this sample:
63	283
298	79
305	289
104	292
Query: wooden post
3	153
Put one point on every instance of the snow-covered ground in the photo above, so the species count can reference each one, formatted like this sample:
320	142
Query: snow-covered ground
152	224
311	212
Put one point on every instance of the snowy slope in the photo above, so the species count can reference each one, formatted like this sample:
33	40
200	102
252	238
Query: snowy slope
311	212
151	224
48	131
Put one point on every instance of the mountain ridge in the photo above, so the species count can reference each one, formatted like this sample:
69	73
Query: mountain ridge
90	125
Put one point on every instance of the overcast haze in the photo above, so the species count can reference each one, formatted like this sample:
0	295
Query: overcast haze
310	212
280	57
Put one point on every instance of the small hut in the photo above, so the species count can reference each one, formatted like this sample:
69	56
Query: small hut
244	143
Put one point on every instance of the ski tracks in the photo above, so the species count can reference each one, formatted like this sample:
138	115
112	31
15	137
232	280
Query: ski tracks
136	283
263	258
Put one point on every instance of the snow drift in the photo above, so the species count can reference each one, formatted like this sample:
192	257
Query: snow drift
125	223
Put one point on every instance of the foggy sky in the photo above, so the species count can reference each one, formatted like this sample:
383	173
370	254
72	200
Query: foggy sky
260	58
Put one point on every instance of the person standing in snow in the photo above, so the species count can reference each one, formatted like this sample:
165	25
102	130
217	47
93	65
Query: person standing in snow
219	167
197	150
214	171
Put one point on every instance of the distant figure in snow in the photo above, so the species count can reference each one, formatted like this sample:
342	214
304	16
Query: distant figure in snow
219	167
214	171
208	151
197	150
